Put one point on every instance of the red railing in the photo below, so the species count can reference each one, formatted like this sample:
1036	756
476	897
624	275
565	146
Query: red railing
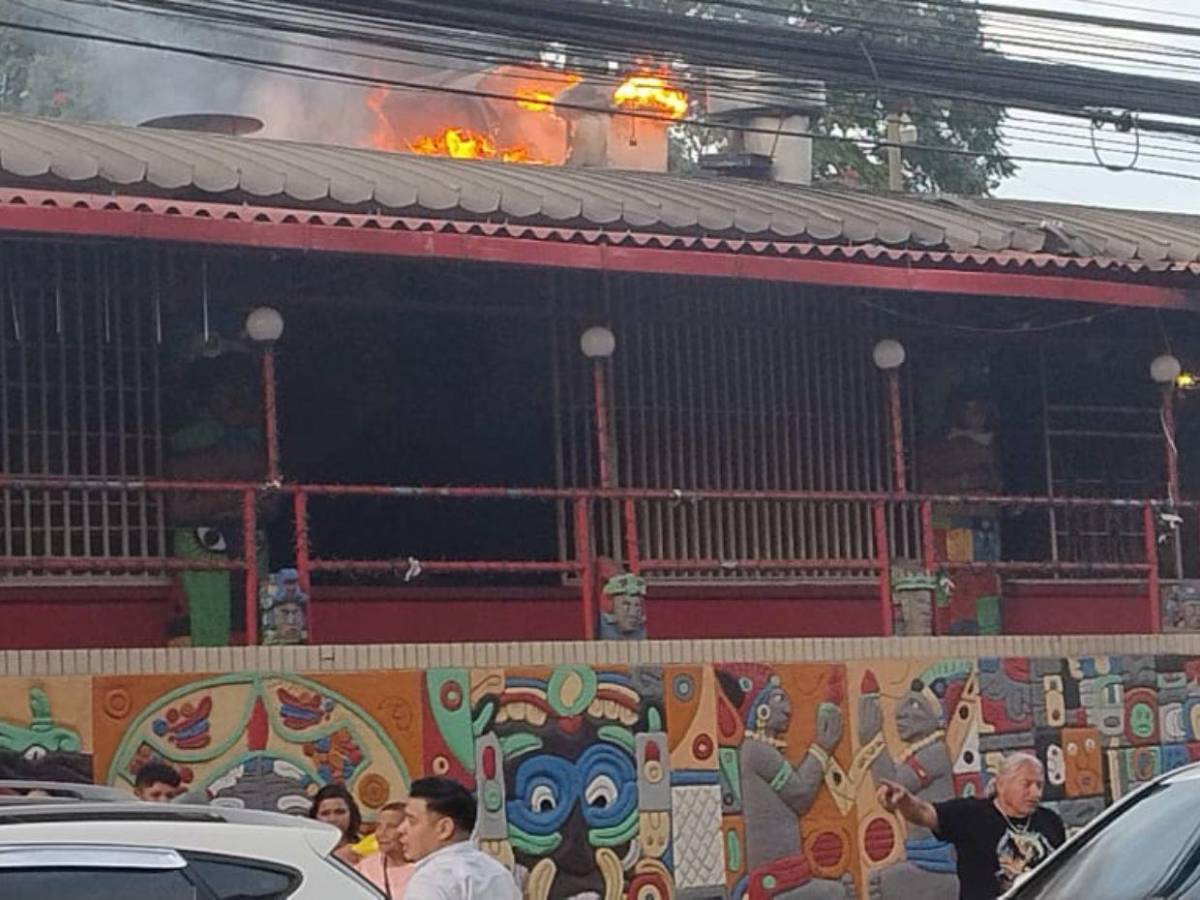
583	504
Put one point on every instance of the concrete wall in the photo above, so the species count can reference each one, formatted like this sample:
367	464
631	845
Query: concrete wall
632	767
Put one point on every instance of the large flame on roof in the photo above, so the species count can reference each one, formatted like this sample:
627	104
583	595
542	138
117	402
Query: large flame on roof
511	118
462	143
651	93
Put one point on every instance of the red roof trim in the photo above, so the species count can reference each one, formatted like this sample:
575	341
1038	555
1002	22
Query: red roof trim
873	266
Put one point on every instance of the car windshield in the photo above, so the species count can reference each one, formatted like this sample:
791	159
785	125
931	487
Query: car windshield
1147	848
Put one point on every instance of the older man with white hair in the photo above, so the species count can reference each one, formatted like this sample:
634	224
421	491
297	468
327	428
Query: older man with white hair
997	839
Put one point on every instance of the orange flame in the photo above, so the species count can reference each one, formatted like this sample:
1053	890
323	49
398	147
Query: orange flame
462	143
533	99
651	93
518	138
540	96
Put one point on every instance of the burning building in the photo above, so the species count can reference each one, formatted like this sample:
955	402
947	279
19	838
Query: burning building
536	116
787	396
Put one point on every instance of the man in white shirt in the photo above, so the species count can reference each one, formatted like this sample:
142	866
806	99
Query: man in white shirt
436	833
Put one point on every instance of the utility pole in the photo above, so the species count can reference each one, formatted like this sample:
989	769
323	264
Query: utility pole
900	131
895	160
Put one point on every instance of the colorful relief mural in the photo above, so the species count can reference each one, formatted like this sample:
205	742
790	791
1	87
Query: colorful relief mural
741	780
45	728
262	741
1180	603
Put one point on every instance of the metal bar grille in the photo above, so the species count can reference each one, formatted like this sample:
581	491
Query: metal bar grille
1094	451
754	387
79	397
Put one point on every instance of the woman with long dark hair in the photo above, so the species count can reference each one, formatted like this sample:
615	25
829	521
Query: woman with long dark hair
334	805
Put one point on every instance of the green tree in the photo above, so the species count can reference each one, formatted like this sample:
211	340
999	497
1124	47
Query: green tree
971	130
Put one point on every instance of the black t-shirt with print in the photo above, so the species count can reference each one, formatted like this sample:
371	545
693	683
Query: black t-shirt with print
993	851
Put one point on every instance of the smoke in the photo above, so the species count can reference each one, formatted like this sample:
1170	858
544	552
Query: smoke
131	85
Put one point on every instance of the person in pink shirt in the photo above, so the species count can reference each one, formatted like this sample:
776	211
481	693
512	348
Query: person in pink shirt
388	869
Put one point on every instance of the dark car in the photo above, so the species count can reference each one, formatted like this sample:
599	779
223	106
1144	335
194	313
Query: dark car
1145	846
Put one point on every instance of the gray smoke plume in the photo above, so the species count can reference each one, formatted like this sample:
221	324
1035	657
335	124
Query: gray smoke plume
131	85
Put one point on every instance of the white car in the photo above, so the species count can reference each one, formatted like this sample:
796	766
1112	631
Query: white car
1144	847
87	850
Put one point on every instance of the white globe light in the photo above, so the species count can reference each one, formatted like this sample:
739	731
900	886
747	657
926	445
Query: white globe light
1165	369
598	342
888	354
264	325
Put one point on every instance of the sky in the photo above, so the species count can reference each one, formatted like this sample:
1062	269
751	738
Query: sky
1097	187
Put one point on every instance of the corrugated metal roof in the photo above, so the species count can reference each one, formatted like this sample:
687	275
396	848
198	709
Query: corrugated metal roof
687	211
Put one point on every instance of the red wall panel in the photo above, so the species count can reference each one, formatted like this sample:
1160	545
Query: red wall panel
86	617
357	615
1075	608
83	617
377	615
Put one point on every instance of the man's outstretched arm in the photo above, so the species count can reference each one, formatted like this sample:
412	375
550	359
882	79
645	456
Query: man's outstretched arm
897	798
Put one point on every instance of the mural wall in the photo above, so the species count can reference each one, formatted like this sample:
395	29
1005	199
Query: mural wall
740	780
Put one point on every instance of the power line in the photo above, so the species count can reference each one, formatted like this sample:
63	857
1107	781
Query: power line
586	26
989	29
442	47
322	74
870	143
977	329
1023	12
1008	128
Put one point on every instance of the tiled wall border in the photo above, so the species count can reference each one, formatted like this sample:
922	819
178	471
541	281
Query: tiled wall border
368	657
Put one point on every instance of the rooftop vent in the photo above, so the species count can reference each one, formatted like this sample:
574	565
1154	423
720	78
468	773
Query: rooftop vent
210	123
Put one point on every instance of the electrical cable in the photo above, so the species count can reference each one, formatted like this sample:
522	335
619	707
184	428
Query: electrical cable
1063	16
535	22
1137	151
1147	125
976	329
864	142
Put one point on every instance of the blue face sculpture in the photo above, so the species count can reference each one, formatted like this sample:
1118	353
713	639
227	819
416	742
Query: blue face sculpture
599	788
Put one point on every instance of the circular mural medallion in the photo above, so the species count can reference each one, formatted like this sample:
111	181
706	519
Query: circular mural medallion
373	791
879	839
452	696
117	703
683	686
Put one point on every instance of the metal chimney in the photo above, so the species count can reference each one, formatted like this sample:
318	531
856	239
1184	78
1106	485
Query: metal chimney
604	138
775	119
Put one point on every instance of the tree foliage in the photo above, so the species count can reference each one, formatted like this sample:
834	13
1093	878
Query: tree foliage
966	154
943	123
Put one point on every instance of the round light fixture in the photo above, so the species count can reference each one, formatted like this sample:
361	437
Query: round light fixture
888	354
1165	369
264	325
598	342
